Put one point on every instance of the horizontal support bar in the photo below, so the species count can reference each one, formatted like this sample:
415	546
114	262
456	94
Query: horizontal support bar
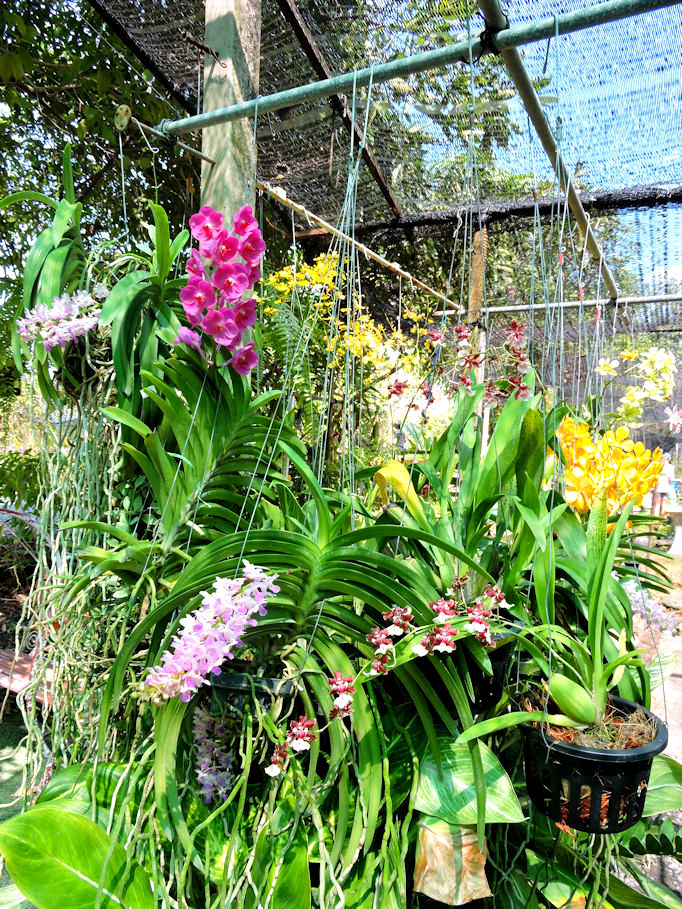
516	36
153	131
497	212
576	304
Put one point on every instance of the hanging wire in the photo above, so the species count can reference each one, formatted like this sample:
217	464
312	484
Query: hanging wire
123	188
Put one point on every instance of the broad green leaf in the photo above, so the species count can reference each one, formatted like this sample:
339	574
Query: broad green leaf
544	582
51	854
292	890
65	782
661	668
530	459
664	792
451	794
500	459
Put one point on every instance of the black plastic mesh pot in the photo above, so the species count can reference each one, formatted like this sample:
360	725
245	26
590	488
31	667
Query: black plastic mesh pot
236	689
488	689
589	789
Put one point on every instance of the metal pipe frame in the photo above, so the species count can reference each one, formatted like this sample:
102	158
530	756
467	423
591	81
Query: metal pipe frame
499	37
496	20
578	304
514	36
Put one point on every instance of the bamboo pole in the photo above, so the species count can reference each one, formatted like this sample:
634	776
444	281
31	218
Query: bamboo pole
277	193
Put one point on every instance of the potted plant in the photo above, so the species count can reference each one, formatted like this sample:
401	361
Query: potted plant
598	787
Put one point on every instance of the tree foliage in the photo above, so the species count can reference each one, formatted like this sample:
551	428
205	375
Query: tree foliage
62	76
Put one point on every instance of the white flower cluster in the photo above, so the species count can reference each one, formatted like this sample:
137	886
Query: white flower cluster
67	318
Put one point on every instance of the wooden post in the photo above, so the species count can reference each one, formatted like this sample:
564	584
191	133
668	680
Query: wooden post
233	32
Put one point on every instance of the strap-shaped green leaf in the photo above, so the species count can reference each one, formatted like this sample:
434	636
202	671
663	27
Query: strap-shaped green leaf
66	212
67	174
27	195
162	241
122	294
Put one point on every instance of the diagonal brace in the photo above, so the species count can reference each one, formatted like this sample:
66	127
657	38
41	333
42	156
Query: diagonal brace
496	21
316	58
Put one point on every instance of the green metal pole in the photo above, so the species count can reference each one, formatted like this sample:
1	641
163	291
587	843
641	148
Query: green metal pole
511	57
516	36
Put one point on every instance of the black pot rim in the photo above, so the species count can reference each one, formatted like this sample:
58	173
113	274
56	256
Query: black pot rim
605	755
237	681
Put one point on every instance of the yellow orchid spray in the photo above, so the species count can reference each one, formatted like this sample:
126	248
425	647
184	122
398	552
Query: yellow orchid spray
655	369
613	463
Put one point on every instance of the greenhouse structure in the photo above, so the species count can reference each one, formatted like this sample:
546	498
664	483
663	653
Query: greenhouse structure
340	464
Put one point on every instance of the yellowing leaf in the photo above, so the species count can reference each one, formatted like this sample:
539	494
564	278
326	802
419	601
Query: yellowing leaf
397	475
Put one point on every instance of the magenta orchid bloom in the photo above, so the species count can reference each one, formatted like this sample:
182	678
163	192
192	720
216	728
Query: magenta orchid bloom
245	314
244	221
197	296
220	325
195	265
212	298
244	359
206	224
232	280
224	249
190	338
252	247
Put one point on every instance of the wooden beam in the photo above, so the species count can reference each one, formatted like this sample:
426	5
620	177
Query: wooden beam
230	77
495	212
317	60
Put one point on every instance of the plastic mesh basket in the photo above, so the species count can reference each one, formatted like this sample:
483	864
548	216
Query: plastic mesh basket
589	789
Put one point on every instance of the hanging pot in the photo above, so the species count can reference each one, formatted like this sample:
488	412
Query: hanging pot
488	689
236	688
590	789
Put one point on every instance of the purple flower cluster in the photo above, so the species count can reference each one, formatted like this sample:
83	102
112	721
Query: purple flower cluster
212	298
214	762
67	318
210	634
650	609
